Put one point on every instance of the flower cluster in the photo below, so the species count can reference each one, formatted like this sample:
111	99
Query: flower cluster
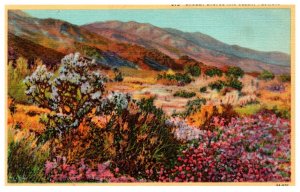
184	131
255	148
276	88
60	171
38	81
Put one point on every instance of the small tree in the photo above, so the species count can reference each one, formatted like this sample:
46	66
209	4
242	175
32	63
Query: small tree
234	72
70	95
266	75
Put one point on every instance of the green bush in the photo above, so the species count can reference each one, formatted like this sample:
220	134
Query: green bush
213	72
194	70
26	159
236	84
16	75
218	85
184	94
266	75
283	113
179	77
194	106
235	72
285	78
203	89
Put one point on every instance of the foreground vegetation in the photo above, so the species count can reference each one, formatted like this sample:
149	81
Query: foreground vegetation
73	125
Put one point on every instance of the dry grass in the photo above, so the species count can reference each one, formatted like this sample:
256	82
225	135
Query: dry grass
199	118
270	98
140	80
143	84
28	118
130	72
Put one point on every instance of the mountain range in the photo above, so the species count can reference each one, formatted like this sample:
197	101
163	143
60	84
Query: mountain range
131	44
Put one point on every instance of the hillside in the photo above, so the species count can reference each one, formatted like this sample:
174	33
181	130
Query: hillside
200	47
65	37
21	47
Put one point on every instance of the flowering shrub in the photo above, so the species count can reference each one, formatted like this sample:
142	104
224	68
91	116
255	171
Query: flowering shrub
70	95
255	148
59	171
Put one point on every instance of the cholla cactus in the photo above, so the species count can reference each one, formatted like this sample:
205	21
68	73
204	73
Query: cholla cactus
115	101
70	95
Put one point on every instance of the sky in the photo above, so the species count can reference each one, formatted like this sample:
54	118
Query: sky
259	29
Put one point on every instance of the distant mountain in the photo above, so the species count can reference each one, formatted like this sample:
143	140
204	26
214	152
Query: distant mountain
64	37
198	46
131	44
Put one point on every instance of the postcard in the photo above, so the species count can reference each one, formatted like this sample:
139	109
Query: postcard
150	94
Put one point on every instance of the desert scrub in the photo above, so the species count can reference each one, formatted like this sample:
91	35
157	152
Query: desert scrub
235	83
266	75
282	112
70	94
203	89
234	72
182	79
26	158
118	75
194	70
203	118
135	139
193	106
213	72
231	82
285	78
16	74
218	85
184	94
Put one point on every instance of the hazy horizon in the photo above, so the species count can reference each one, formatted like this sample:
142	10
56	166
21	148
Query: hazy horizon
258	29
